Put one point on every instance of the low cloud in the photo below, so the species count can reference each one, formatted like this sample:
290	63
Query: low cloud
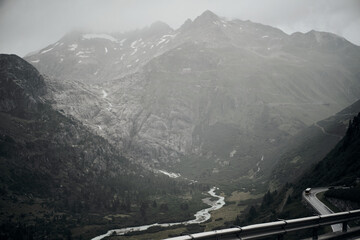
28	25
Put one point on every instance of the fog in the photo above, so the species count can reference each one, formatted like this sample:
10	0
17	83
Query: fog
28	25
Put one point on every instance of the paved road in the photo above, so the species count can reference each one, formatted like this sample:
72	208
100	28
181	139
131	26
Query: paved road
320	207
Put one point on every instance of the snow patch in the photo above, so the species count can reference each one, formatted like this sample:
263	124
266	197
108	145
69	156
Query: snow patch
266	36
161	41
101	36
95	73
122	41
72	47
137	60
128	66
35	61
169	36
105	94
122	57
132	45
232	153
47	50
170	174
106	50
135	50
81	54
99	127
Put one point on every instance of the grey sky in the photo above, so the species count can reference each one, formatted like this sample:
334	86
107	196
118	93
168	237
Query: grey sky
29	25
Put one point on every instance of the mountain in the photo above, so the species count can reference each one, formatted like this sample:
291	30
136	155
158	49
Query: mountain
214	98
341	165
311	145
57	177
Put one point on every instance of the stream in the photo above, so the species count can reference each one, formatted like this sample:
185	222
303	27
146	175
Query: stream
200	217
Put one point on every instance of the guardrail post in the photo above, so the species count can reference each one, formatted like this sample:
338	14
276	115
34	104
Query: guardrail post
315	233
344	226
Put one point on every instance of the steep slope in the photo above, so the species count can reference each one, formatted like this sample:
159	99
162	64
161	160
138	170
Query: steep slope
311	145
341	165
222	94
56	175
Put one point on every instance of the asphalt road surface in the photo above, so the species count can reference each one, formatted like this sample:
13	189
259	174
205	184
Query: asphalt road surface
320	207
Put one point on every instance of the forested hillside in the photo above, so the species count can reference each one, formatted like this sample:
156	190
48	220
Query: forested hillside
57	176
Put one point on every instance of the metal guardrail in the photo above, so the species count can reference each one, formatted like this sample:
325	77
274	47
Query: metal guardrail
278	228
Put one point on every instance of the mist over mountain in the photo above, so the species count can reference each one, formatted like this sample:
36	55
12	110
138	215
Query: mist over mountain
310	146
229	91
96	125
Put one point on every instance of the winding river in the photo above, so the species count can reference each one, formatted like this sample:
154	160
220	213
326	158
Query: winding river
200	217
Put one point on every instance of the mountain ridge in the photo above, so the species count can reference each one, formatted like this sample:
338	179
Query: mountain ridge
158	97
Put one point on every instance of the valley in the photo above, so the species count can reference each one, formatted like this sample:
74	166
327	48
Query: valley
121	135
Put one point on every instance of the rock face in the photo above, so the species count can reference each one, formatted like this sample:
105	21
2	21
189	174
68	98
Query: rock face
50	156
25	90
228	91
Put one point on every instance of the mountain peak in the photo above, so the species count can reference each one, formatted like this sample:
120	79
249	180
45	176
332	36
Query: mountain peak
159	28
158	25
207	16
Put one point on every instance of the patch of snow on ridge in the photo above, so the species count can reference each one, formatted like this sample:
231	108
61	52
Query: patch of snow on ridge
72	47
169	35
122	41
47	50
105	94
35	61
161	41
232	153
101	36
132	45
135	50
171	175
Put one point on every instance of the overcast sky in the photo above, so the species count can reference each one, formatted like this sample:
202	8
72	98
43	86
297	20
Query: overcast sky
29	25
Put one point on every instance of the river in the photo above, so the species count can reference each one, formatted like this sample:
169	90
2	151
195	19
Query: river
200	217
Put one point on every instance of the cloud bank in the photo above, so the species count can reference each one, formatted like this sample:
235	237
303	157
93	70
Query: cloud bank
28	25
